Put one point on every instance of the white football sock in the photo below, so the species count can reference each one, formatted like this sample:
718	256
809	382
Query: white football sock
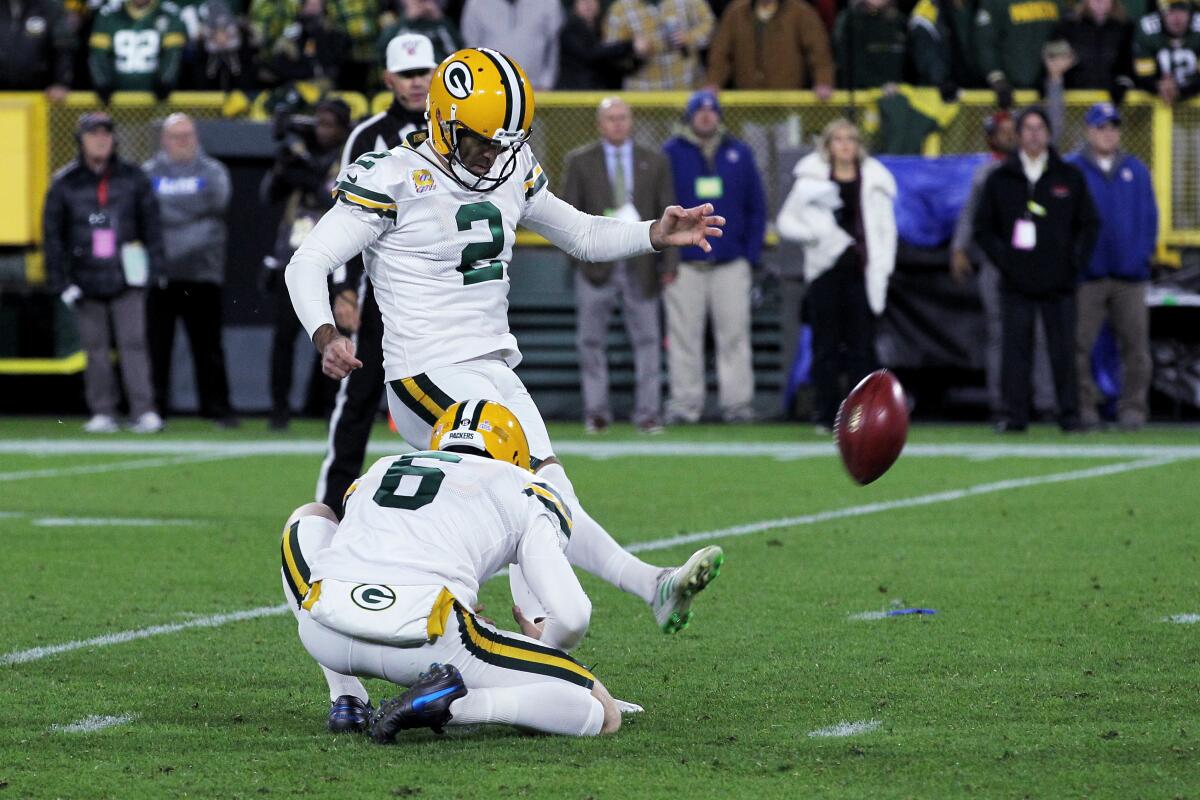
547	707
593	549
339	684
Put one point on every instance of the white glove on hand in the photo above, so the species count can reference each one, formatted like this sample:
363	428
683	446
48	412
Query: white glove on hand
70	295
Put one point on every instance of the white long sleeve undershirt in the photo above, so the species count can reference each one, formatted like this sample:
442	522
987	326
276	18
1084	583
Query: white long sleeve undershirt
553	582
344	232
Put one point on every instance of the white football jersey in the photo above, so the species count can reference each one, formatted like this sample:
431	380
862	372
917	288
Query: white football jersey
439	518
440	267
438	254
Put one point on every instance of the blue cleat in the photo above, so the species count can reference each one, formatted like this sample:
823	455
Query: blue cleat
426	704
348	714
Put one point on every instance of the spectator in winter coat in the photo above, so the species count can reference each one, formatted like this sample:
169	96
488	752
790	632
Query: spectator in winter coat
1009	35
869	41
1101	41
37	47
841	210
1114	282
1037	224
675	31
193	195
584	63
710	166
965	257
426	18
102	242
940	34
771	44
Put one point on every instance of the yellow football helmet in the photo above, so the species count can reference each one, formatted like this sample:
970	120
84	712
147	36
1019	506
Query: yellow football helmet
485	94
483	427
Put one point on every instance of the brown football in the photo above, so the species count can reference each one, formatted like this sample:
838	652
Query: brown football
872	426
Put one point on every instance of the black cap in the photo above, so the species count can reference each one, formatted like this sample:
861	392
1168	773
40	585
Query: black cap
94	120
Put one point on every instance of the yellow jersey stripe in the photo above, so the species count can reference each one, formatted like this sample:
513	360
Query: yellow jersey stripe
313	596
542	491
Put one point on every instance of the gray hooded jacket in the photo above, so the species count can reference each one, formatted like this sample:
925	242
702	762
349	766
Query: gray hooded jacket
193	197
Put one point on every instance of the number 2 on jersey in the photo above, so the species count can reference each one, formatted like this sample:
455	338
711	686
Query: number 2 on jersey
421	486
475	252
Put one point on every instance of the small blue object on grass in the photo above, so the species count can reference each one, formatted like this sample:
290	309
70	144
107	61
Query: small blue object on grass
902	612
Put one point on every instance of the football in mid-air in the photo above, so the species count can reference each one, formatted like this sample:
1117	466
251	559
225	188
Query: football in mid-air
872	426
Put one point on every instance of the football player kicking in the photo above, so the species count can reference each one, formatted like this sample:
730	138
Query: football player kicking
391	595
435	221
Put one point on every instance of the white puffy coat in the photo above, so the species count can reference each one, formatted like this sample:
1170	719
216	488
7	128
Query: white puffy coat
807	218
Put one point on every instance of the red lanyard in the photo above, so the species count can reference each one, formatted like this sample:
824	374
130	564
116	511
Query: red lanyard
102	190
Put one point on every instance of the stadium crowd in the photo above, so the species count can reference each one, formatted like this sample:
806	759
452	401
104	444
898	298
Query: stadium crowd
98	217
251	45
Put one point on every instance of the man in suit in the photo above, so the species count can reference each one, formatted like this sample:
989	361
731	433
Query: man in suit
618	178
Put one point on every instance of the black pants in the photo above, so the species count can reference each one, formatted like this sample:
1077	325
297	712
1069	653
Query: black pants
199	306
1018	312
321	389
356	408
843	333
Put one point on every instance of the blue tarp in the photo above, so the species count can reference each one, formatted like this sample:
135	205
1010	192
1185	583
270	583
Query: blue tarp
931	194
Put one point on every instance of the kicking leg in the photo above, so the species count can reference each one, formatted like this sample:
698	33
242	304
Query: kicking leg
309	529
669	592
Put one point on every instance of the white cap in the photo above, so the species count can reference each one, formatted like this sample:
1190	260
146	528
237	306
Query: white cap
410	51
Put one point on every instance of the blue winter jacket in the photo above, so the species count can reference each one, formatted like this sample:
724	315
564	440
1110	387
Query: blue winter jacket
742	201
1128	213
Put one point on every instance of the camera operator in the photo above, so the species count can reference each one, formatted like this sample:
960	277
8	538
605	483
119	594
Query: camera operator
302	178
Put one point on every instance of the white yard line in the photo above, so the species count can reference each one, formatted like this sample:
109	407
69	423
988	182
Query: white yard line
867	616
846	729
36	653
101	522
1182	619
906	502
212	621
116	466
591	449
93	724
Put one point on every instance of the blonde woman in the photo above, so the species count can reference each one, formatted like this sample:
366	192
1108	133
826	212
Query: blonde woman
840	210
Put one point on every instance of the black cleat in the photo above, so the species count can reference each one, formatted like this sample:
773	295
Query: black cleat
426	704
348	714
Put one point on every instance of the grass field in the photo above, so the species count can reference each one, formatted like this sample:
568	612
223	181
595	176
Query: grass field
1048	670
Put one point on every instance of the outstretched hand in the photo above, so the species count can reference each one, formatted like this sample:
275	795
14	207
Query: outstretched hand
681	227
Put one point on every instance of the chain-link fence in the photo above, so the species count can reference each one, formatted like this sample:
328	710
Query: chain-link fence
774	124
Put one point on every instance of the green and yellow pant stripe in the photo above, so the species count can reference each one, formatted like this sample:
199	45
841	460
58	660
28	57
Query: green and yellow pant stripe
422	397
295	569
504	651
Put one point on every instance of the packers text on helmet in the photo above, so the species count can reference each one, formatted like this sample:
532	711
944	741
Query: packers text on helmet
482	427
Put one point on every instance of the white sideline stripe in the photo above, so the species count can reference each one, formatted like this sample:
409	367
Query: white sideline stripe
97	522
93	724
36	653
213	621
116	466
597	450
847	729
867	615
1182	619
907	502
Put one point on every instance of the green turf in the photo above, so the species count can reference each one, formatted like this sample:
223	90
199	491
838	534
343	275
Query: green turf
1046	672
